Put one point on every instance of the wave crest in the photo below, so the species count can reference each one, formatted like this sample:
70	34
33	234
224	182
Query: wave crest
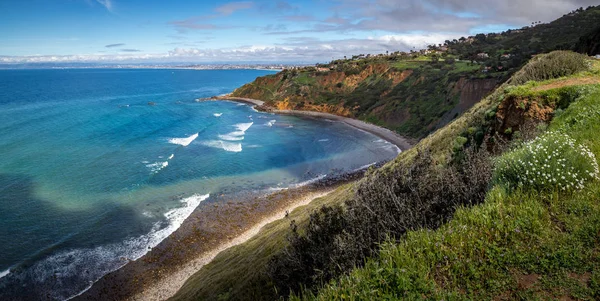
4	273
184	141
224	145
68	274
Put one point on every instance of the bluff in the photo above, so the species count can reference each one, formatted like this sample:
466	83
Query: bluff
412	101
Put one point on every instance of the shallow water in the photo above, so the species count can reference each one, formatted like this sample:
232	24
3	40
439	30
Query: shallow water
98	166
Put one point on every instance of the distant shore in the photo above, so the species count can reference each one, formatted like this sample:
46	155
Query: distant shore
388	135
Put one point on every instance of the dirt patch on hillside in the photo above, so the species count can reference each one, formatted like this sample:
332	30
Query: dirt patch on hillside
568	82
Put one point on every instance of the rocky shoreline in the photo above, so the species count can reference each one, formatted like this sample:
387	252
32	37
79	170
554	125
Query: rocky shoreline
212	228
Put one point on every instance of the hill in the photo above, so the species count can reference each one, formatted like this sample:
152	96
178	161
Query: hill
463	215
535	234
417	93
443	221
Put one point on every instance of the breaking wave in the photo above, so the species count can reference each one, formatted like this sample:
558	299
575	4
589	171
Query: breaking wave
158	166
4	273
184	141
224	145
68	274
308	182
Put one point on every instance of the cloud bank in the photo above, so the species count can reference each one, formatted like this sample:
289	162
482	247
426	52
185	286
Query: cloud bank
340	28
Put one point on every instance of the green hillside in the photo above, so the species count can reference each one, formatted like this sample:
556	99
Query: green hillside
496	239
536	236
416	93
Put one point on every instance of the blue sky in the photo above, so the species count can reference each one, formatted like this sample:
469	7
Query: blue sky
232	31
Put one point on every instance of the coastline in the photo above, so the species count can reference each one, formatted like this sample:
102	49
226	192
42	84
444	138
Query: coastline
217	226
169	286
401	142
212	228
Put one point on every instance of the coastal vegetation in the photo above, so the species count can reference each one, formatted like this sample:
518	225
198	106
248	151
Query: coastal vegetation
444	221
500	202
535	236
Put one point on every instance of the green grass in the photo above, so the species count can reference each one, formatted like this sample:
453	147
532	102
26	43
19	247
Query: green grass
464	67
305	79
520	244
486	251
581	120
405	65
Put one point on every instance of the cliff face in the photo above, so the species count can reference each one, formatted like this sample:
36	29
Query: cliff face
412	102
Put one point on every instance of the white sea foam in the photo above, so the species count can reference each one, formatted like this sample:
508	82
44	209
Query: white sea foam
308	182
237	135
232	137
217	114
86	266
271	123
323	140
276	189
243	127
171	156
224	145
184	141
364	167
4	273
158	166
241	104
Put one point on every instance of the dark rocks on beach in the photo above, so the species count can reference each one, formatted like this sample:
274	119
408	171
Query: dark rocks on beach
338	178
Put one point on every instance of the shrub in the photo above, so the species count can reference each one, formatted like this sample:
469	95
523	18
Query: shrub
385	206
553	161
553	65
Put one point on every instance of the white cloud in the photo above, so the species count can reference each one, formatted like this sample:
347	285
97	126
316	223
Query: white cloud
107	4
298	49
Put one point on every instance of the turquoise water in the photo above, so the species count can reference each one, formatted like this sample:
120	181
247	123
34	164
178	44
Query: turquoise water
101	165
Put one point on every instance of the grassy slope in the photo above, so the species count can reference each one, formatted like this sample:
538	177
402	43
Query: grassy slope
238	273
517	245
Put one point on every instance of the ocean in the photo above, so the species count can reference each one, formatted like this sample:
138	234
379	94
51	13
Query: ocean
100	165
